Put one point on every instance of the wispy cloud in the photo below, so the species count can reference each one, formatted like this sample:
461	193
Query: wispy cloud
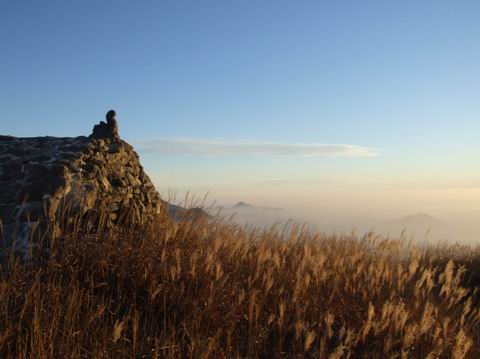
220	147
315	181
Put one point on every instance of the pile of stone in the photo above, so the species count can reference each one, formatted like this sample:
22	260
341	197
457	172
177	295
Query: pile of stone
42	176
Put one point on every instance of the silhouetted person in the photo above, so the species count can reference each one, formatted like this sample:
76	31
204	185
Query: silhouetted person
109	129
112	122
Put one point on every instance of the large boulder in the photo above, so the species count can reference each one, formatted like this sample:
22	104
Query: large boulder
43	179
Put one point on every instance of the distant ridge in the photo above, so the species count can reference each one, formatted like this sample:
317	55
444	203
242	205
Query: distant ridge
243	205
423	219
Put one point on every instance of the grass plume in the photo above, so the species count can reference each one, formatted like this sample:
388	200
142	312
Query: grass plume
203	287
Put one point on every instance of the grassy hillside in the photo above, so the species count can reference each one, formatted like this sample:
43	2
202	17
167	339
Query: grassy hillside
204	288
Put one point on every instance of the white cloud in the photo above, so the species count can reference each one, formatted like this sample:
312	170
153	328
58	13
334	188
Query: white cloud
220	147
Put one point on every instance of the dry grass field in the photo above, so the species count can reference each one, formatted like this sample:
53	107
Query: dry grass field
208	288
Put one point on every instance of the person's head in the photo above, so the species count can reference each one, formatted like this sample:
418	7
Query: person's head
111	115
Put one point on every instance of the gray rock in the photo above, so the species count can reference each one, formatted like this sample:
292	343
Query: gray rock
42	176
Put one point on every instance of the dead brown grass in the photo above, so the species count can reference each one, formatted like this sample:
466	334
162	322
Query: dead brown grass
206	288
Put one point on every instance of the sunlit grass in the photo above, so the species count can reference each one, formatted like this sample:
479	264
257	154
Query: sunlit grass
206	288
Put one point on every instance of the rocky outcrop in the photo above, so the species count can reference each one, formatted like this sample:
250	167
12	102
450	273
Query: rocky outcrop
41	177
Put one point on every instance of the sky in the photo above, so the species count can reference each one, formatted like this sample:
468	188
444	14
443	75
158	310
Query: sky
355	106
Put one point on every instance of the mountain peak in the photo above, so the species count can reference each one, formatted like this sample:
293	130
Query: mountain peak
242	205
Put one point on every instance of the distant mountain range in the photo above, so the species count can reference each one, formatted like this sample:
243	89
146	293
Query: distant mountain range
420	221
418	226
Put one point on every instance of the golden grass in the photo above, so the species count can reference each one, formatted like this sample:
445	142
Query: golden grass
206	288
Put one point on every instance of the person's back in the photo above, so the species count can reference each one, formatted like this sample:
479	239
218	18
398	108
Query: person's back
112	122
109	129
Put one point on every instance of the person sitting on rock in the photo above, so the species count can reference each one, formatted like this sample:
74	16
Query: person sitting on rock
109	129
112	122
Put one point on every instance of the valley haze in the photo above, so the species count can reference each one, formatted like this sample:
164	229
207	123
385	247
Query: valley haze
421	228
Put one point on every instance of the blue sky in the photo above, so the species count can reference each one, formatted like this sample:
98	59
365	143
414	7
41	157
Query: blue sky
402	78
